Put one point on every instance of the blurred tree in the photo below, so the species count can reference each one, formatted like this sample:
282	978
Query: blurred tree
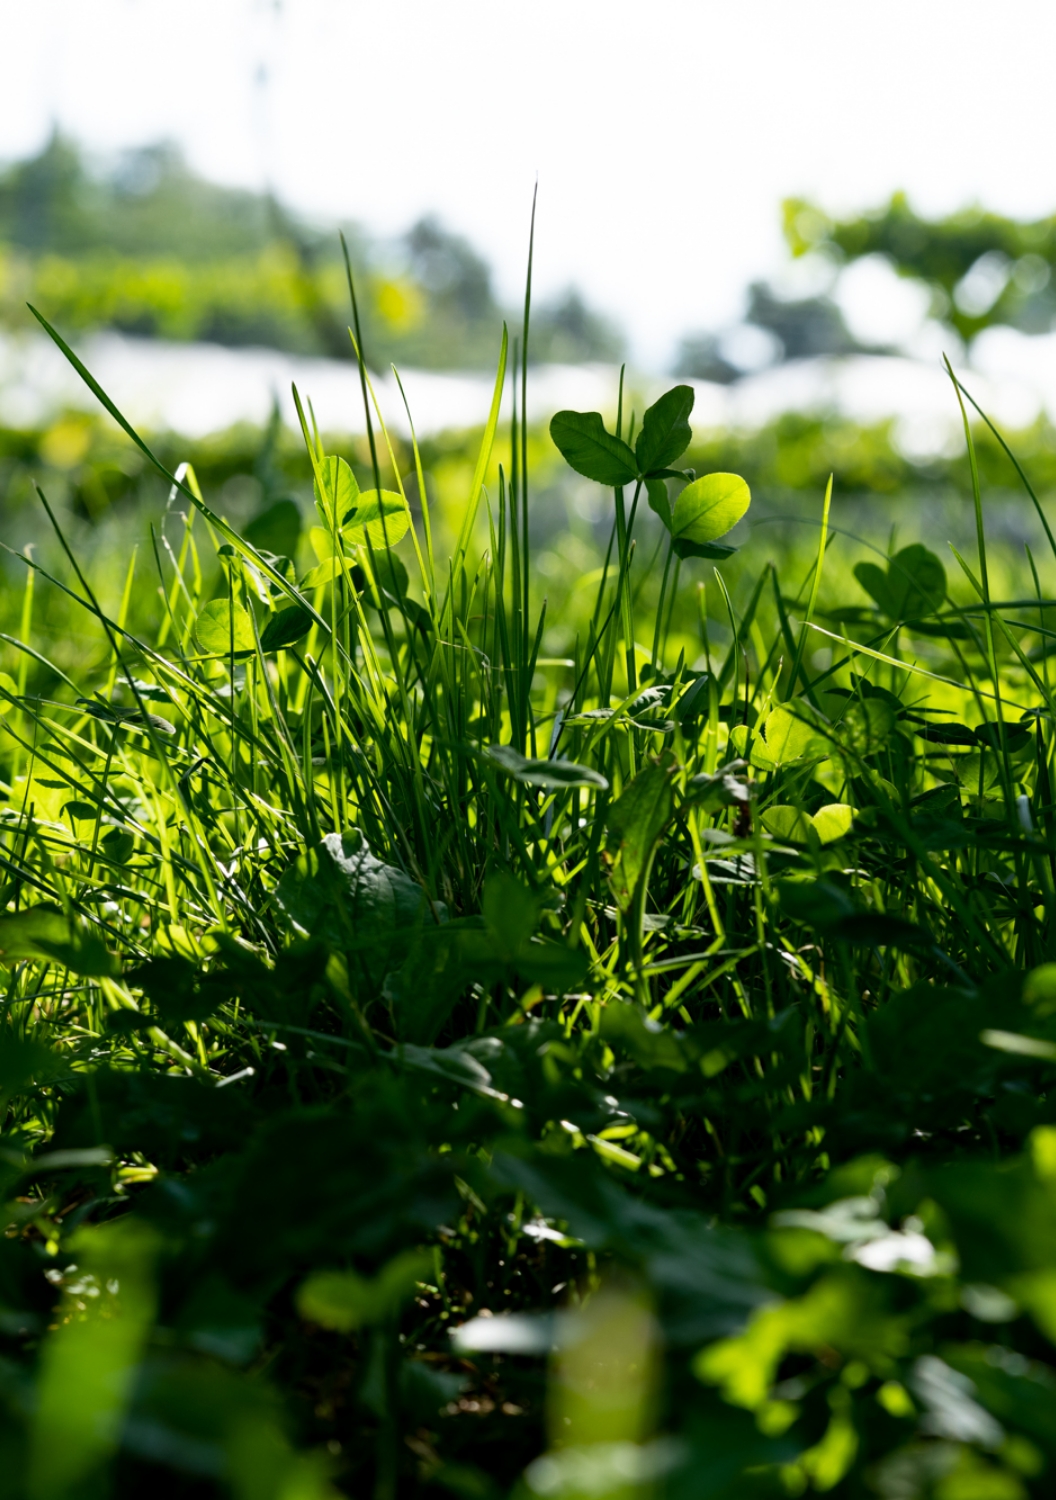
805	326
148	247
566	331
799	328
980	268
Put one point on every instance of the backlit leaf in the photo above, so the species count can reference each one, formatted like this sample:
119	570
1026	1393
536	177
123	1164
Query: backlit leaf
380	516
706	509
337	494
221	630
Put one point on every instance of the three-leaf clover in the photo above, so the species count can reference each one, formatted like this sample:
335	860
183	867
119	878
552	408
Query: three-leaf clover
704	510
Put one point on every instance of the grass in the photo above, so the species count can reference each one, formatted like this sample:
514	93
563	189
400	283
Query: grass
436	1065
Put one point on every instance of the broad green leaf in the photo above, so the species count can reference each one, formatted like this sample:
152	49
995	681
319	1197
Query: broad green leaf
340	892
338	493
785	823
331	564
656	494
45	933
511	913
875	929
818	903
865	726
582	441
665	430
390	578
24	1061
913	586
979	773
90	1360
838	1312
917	582
874	581
285	628
756	752
635	821
833	821
829	823
707	509
649	1043
1039	989
544	773
343	1301
220	629
790	735
276	529
380	515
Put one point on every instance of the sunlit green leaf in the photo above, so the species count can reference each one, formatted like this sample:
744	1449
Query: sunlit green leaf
285	628
221	629
707	509
337	494
380	516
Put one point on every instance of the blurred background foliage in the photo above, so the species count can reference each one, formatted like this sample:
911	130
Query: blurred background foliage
143	246
148	248
980	269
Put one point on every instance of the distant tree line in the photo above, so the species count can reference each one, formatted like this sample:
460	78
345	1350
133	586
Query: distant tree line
148	247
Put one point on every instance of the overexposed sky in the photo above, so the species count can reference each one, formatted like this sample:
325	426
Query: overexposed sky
664	132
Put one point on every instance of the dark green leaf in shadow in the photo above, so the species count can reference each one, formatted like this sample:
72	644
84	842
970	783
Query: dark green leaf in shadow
876	929
913	586
651	1044
582	441
339	891
634	824
665	433
815	903
25	1061
285	628
552	774
659	504
277	529
45	933
179	990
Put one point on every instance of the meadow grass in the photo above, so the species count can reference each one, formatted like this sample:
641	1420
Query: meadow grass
457	1042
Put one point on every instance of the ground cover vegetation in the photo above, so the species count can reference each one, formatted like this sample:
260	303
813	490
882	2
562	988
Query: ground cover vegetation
452	1049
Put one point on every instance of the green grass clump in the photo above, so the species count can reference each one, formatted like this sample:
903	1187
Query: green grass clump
433	1064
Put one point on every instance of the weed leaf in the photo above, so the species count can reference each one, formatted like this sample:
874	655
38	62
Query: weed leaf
582	441
221	629
336	491
552	774
706	509
285	628
665	432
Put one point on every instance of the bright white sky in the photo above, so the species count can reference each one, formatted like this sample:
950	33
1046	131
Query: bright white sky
664	132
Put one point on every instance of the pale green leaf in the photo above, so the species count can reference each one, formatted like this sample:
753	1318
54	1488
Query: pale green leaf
707	509
221	629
